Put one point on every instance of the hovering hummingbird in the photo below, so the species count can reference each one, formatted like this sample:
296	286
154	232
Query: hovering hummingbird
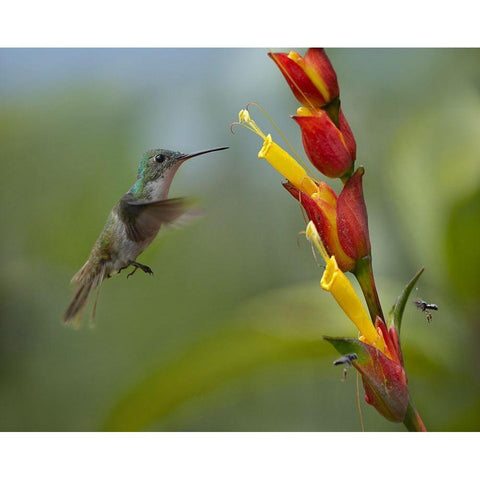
132	224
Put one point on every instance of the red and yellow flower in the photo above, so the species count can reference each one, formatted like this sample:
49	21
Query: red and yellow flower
338	227
341	221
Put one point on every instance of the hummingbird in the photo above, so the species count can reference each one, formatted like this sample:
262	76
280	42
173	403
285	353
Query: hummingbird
133	224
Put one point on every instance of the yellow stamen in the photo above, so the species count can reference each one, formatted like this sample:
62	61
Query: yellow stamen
245	120
287	166
337	283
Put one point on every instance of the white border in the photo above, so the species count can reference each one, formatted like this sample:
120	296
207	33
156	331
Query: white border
245	23
232	456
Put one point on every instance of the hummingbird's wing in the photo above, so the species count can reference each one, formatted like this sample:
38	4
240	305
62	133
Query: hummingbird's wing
143	219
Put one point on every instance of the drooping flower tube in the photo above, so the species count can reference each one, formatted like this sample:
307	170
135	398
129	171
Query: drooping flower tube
312	78
279	158
336	282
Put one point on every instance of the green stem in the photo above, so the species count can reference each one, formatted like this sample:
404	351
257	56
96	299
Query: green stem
412	420
364	273
347	175
333	111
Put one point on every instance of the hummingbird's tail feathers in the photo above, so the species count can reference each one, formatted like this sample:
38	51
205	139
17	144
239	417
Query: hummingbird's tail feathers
88	279
77	304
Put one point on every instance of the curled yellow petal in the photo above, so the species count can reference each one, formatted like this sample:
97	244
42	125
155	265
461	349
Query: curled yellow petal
287	166
336	282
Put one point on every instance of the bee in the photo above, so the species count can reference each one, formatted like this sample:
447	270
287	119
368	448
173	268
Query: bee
347	361
425	307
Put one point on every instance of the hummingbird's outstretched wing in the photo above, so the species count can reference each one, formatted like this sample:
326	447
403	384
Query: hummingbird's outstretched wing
143	218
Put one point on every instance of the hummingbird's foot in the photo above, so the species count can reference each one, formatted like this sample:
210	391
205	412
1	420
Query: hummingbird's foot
140	266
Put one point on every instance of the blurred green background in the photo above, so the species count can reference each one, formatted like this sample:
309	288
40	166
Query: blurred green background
227	334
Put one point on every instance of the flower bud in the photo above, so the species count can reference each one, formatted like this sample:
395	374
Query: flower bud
352	219
312	78
385	385
331	149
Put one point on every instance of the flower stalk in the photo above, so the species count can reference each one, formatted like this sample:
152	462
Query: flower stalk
364	274
412	420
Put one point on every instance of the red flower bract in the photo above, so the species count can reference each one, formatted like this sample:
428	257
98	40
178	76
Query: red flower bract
352	218
330	149
312	79
322	211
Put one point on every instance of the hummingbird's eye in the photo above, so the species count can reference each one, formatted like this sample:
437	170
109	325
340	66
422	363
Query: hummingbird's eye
159	157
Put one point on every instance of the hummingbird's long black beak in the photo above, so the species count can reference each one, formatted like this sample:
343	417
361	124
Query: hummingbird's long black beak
186	156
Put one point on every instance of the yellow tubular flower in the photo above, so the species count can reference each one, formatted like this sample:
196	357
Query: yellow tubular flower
336	282
287	166
279	158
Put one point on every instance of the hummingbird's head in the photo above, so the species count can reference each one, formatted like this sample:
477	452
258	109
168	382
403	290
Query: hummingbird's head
157	169
155	163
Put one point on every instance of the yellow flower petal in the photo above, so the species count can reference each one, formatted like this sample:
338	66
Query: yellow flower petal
287	166
336	282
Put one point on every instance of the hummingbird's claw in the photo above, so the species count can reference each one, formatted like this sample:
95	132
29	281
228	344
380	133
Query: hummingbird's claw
140	266
132	272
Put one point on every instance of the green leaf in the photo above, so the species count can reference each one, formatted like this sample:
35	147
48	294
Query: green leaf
396	314
202	369
349	345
